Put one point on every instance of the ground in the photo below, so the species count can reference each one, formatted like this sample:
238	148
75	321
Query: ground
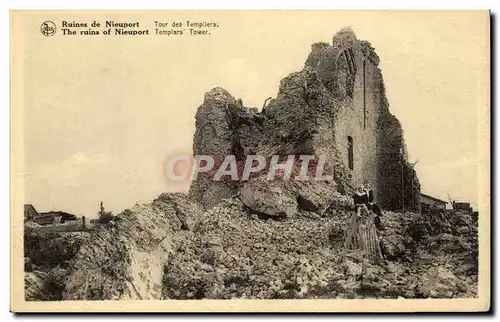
171	248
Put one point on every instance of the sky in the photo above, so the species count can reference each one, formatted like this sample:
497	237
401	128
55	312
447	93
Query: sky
101	114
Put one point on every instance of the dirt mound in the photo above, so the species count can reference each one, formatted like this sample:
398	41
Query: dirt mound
125	260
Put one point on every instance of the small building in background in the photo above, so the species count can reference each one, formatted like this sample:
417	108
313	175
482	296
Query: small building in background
428	203
51	217
30	212
46	218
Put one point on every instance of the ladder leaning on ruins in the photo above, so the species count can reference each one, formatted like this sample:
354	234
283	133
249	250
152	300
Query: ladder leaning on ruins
360	237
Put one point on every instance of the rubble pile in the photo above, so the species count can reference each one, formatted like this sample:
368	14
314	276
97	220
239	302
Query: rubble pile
237	254
47	258
123	260
172	249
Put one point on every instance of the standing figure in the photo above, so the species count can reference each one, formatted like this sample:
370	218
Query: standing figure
361	200
364	200
373	206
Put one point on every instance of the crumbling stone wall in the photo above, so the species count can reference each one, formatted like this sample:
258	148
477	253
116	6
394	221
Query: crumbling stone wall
339	94
398	182
216	135
350	68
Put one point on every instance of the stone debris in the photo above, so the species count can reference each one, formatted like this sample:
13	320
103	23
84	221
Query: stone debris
34	286
278	239
262	197
235	253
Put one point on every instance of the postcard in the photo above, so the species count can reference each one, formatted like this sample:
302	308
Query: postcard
250	161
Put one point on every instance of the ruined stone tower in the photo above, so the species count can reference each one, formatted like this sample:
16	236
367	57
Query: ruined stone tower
335	106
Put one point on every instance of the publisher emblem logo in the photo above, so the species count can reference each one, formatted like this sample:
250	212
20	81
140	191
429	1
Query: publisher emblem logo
48	28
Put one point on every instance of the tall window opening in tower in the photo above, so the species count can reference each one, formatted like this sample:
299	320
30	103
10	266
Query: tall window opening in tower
350	152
